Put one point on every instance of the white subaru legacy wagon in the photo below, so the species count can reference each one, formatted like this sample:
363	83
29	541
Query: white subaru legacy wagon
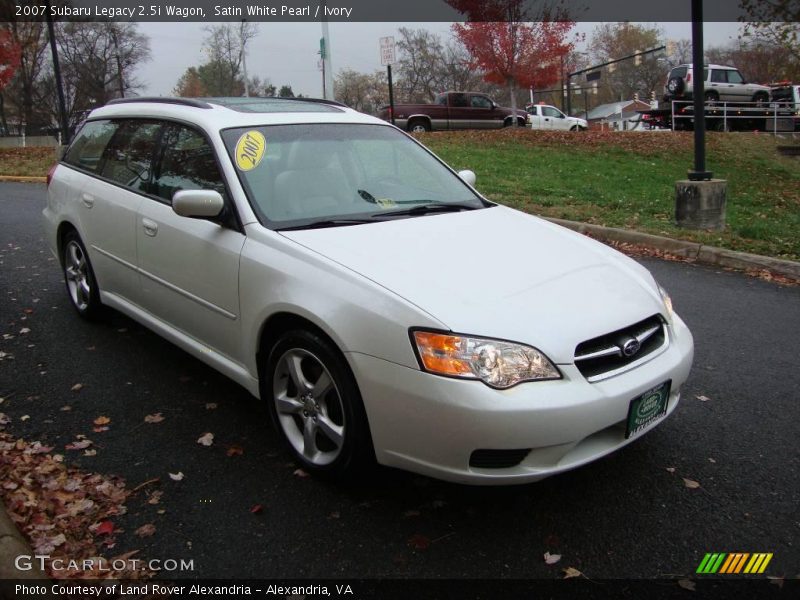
384	309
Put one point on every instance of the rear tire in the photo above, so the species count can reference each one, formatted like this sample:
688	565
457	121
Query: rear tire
419	126
316	406
761	98
711	97
82	288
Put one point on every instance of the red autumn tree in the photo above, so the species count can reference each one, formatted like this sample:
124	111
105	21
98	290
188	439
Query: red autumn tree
9	57
520	51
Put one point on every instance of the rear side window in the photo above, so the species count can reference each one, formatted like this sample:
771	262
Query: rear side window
89	144
186	162
678	72
129	156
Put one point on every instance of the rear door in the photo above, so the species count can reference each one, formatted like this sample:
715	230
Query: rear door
117	156
190	267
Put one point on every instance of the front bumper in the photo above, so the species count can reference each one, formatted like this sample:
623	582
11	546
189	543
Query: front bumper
432	425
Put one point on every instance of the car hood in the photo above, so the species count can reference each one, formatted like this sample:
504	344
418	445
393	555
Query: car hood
497	273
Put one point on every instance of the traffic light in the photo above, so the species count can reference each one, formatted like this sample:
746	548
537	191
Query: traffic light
636	96
652	96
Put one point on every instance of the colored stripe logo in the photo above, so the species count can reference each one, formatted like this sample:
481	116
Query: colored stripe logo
734	563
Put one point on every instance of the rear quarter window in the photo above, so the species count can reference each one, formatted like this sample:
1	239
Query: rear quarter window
678	72
89	144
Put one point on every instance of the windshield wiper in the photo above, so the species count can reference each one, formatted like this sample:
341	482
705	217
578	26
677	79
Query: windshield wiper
327	223
431	207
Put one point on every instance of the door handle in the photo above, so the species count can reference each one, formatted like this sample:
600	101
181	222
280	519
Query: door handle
150	227
88	200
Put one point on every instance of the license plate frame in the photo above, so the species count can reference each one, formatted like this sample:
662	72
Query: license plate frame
647	408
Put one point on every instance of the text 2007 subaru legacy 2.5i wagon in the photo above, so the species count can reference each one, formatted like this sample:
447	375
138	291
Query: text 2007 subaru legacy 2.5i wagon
382	307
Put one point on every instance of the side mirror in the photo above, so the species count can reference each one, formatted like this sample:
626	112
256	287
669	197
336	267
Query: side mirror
468	176
494	105
197	203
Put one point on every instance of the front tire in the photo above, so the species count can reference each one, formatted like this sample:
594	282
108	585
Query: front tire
82	289
316	406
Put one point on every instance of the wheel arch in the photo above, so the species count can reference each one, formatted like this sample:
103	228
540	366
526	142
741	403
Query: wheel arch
418	117
63	228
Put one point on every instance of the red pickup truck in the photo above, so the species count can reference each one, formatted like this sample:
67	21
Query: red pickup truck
453	110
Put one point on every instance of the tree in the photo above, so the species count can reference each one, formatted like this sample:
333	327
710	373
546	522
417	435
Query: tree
98	61
10	53
611	41
774	23
363	92
190	85
225	46
523	51
25	89
286	92
760	62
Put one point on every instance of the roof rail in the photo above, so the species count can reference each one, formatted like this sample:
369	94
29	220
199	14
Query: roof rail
245	99
161	100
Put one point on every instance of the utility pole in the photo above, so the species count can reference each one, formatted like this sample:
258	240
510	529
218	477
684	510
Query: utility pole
327	68
243	41
62	107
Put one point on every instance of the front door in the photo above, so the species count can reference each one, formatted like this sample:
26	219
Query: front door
190	267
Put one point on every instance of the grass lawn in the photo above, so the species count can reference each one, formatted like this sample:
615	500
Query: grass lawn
628	180
617	179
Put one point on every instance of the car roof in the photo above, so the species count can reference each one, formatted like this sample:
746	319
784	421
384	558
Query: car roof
222	113
712	66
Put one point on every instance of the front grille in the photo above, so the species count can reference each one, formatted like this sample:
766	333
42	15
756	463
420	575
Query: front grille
497	459
606	354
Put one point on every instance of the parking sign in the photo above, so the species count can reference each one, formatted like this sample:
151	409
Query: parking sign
387	51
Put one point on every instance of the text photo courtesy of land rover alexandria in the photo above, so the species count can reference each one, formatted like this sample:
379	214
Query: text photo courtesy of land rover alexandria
382	308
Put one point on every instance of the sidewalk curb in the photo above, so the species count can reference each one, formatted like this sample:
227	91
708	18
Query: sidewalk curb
706	255
12	545
23	179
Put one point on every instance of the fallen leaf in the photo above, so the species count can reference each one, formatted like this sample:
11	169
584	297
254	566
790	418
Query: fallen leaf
176	476
300	473
24	330
79	445
90	452
24	417
154	497
711	460
235	450
419	542
146	530
670	469
99	429
206	439
692	485
551	559
4	419
570	572
105	528
211	405
90	348
687	584
154	418
77	387
101	421
256	508
438	503
703	399
334	515
65	408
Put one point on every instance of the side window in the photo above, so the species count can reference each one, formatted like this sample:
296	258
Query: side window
458	100
718	76
186	162
481	102
678	72
128	158
549	111
735	77
92	139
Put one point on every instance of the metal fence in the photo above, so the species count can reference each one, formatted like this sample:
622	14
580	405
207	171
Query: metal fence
774	117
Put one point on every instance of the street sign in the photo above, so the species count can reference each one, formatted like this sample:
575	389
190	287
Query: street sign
387	51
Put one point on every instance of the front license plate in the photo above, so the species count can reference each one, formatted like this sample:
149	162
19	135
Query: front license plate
647	408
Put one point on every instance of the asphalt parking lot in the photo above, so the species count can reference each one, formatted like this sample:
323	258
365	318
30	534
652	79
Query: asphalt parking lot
629	516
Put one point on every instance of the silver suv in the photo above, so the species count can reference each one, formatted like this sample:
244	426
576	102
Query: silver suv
722	83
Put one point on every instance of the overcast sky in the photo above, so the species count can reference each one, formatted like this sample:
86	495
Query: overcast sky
286	53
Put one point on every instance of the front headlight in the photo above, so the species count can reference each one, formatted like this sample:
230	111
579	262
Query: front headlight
497	363
667	302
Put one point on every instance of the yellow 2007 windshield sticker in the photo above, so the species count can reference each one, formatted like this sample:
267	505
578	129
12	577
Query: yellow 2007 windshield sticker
250	150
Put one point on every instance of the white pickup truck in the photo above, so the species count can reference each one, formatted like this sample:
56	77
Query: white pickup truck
544	116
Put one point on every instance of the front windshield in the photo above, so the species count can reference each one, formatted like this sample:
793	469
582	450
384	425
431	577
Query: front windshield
306	173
